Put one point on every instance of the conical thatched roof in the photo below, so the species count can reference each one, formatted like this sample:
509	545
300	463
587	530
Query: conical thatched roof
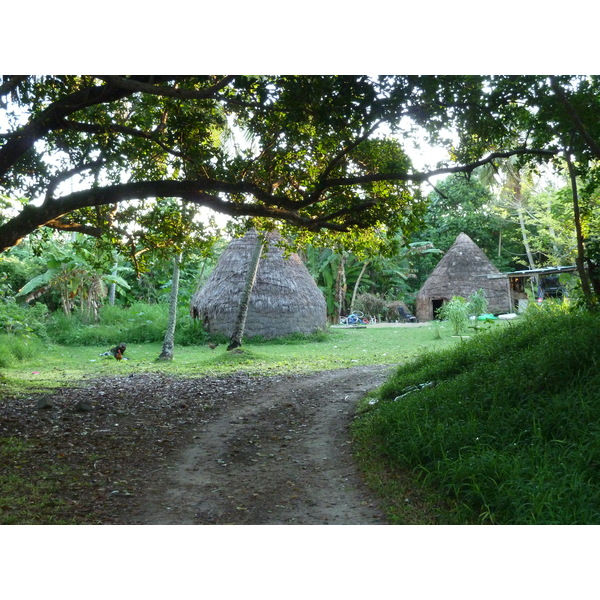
285	298
462	271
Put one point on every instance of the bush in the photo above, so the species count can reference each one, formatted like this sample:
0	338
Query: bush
14	348
456	311
477	303
138	324
371	305
23	319
374	306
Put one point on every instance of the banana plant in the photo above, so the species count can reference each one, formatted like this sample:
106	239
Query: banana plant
336	272
73	271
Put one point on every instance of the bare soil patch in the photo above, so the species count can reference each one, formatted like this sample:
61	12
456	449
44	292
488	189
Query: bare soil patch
153	449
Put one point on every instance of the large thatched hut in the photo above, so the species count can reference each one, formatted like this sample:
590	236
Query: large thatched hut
464	269
285	298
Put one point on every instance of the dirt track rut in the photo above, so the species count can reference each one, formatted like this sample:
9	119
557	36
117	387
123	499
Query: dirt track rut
276	454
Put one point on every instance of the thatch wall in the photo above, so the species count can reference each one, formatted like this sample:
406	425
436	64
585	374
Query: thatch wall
285	298
462	271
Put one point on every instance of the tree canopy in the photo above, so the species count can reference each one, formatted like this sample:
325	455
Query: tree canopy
318	153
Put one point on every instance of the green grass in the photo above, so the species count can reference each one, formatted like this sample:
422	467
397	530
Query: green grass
506	429
15	349
59	364
25	500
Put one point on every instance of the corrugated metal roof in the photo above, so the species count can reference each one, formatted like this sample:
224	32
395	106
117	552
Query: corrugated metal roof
532	272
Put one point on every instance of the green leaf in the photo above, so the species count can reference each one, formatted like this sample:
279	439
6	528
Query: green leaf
38	282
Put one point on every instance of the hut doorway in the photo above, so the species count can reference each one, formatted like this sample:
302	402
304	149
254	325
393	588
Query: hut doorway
436	304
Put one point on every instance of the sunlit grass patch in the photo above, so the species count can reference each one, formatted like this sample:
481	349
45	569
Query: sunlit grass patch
62	364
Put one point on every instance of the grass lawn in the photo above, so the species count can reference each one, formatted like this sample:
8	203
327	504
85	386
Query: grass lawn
338	348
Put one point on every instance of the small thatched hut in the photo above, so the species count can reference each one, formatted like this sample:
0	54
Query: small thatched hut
285	298
464	269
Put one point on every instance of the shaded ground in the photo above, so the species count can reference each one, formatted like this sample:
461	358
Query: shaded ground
152	449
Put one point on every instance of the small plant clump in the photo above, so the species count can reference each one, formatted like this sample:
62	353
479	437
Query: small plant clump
456	312
459	311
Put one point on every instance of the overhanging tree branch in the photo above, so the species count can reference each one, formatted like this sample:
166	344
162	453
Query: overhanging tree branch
134	85
22	140
74	227
204	192
128	131
33	217
424	176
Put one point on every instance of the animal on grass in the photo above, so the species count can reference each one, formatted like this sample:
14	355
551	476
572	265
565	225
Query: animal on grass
212	345
117	352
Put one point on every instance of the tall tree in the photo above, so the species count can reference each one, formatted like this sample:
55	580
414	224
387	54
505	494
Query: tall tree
514	185
84	148
462	204
250	280
168	346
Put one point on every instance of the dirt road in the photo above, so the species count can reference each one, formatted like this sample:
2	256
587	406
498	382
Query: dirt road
150	448
277	452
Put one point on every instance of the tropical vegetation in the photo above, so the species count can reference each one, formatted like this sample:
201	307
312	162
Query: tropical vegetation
110	193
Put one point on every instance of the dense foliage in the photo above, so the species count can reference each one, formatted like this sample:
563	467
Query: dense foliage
109	156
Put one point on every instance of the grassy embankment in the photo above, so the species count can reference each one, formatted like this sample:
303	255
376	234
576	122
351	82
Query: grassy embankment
503	428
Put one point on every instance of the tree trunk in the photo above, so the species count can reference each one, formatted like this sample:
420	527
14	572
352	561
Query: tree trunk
169	341
580	262
112	288
515	184
519	205
240	323
341	285
526	241
355	291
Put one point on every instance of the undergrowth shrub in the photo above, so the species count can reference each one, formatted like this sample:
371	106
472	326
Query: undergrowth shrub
23	319
506	425
372	305
375	306
14	348
138	324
